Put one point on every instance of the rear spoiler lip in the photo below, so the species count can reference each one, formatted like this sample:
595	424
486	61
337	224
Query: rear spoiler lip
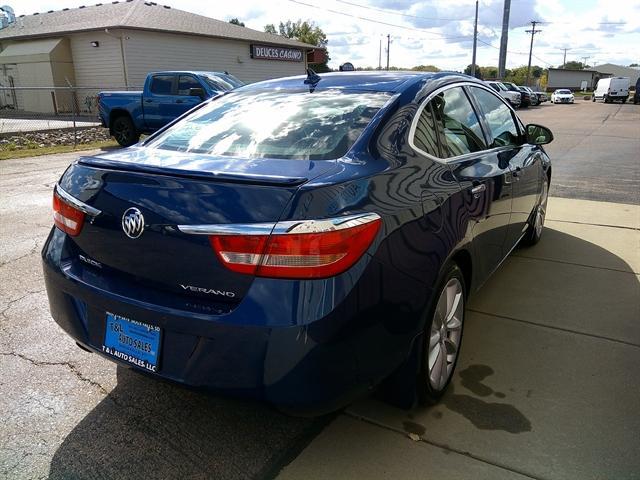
255	179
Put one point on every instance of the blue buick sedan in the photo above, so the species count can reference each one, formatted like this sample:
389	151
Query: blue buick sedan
304	241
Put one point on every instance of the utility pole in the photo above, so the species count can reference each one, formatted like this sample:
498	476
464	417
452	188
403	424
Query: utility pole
564	60
502	59
475	43
388	45
533	31
380	55
584	61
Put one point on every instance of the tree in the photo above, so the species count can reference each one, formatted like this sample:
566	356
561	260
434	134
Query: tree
235	21
572	65
303	31
518	75
634	65
468	71
488	73
426	68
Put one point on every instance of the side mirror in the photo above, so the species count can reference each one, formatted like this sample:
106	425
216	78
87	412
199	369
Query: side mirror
196	92
538	135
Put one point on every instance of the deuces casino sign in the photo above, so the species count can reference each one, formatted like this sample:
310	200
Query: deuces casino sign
266	52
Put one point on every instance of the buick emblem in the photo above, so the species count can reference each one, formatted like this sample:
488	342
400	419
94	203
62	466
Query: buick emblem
133	223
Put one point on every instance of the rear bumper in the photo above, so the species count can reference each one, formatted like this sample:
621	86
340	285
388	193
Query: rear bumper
310	369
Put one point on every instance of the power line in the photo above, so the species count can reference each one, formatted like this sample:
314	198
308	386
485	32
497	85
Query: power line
422	30
564	61
533	31
461	39
384	10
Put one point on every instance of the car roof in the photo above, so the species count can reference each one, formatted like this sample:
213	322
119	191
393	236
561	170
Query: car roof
378	81
192	72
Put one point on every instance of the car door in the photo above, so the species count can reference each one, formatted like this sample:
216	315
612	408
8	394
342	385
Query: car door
183	102
158	100
484	177
506	134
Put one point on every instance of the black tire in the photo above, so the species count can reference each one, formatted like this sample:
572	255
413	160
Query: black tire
427	393
124	131
593	98
606	99
536	224
624	100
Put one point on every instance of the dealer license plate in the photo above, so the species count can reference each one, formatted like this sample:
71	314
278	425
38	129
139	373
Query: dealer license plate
132	341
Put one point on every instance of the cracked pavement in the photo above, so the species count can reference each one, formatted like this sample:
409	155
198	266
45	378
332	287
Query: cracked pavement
65	413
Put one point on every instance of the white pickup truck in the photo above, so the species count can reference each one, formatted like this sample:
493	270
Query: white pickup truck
514	98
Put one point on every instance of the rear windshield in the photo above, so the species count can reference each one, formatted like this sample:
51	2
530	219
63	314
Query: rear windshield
564	92
275	124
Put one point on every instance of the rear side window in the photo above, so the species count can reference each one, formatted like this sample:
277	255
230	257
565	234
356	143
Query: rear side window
187	82
275	124
425	137
161	84
458	123
498	117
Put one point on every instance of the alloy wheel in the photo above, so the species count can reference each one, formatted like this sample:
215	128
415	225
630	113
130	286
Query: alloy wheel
122	133
445	335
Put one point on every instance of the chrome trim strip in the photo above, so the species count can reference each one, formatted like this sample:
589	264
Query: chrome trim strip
228	229
83	207
281	228
425	102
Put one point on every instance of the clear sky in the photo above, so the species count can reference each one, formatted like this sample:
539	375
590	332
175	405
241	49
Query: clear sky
436	32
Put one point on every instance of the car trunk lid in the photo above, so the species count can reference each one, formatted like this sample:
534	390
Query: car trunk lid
171	189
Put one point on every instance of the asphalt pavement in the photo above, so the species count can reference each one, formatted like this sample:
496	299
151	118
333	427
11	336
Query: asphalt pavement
546	386
596	150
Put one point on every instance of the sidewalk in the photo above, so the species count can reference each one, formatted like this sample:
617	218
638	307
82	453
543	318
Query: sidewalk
546	386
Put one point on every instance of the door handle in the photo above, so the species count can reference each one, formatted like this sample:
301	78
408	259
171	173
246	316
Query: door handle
478	189
148	100
179	101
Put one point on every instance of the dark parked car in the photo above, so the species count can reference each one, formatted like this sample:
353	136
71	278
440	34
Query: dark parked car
166	96
636	93
301	240
525	98
533	98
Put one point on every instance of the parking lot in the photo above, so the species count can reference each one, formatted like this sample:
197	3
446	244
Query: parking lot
546	386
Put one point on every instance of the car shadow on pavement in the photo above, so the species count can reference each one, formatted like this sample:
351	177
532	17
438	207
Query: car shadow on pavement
147	428
565	284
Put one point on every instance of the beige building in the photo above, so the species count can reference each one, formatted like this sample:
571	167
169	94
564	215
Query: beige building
572	79
115	45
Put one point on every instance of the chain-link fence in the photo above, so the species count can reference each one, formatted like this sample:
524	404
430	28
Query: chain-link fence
47	116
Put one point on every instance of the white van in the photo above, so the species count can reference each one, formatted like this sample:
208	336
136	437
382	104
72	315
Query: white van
611	89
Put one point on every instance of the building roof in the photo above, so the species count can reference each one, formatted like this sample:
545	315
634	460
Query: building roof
135	14
619	71
574	70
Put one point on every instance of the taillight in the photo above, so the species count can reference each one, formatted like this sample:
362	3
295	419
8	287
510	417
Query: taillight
66	217
299	249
